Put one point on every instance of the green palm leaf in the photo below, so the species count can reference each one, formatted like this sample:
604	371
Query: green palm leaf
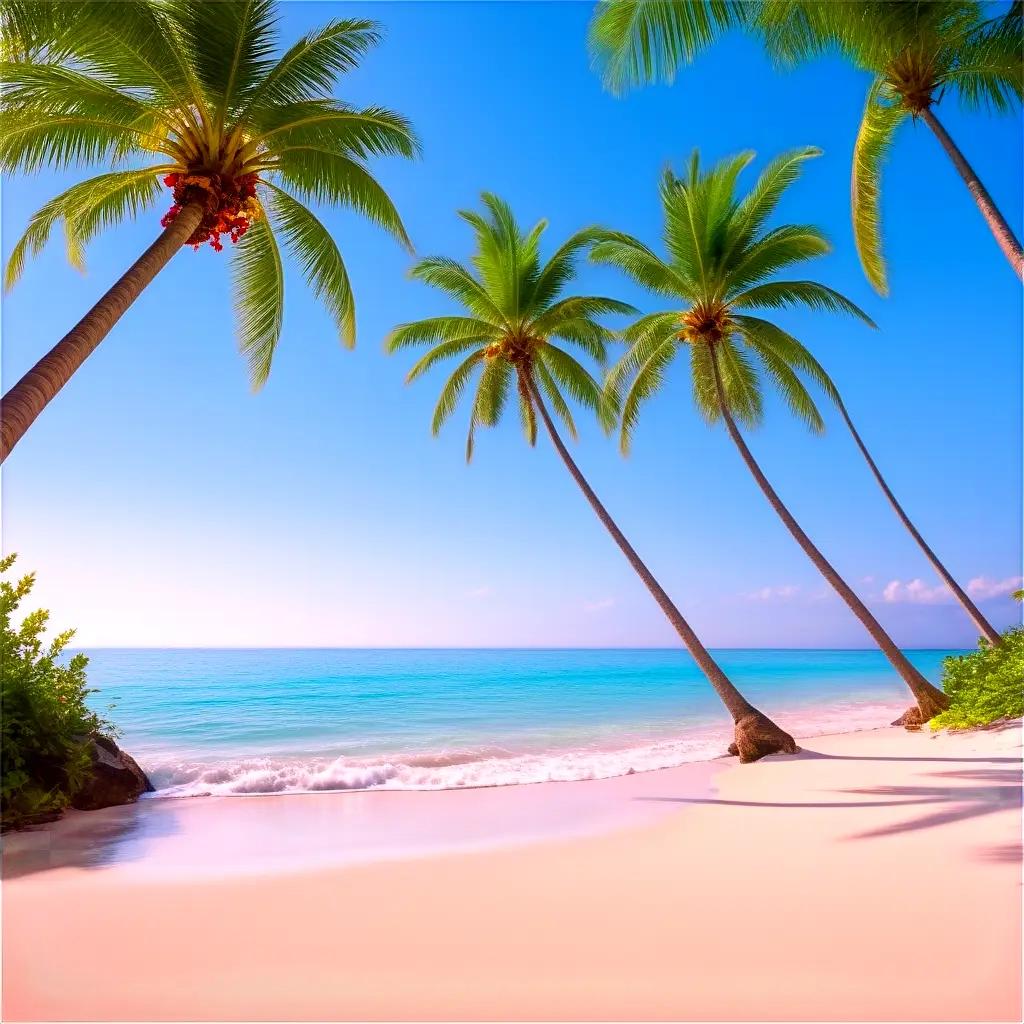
97	201
635	42
259	298
309	243
778	294
874	140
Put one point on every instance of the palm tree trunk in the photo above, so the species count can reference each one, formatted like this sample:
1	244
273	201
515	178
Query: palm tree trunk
996	221
756	734
930	701
987	629
27	399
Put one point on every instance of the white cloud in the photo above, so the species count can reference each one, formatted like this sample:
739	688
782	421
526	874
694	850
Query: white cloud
780	593
918	592
601	605
983	588
479	593
915	592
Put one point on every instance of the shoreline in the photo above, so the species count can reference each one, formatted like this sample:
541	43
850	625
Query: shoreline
496	762
874	876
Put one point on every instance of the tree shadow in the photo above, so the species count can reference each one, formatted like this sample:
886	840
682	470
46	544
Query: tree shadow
814	755
1000	790
88	839
1002	853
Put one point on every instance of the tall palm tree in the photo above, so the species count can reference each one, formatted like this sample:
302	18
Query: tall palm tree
917	53
511	334
197	99
720	266
639	41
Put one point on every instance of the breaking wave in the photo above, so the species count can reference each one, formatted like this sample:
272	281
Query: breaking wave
474	767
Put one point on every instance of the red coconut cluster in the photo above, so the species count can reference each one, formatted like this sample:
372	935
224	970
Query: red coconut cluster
229	205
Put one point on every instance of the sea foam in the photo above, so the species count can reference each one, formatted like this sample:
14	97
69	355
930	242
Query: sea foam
477	767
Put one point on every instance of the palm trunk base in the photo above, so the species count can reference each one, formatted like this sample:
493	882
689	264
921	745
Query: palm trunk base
930	702
757	736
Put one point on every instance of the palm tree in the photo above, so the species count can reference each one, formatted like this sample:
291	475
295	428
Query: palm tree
198	97
638	41
720	266
514	315
916	52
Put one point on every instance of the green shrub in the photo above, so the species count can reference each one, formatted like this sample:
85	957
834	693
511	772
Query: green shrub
985	685
44	722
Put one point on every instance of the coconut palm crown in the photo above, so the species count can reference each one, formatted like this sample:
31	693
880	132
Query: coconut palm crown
720	270
917	52
515	327
198	107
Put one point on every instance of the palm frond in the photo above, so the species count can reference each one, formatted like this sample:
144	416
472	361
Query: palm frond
643	338
549	385
527	414
874	139
440	352
452	389
783	247
492	392
778	294
231	44
334	127
439	328
578	307
764	335
313	64
124	195
258	278
104	199
311	246
561	267
636	42
30	140
641	264
322	176
454	279
761	200
572	376
649	378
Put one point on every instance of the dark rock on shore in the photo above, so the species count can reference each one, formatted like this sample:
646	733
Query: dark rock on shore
114	778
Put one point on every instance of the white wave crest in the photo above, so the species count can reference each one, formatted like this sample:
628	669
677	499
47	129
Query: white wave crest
486	766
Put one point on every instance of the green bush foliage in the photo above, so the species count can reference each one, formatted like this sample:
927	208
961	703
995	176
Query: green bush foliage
44	721
985	685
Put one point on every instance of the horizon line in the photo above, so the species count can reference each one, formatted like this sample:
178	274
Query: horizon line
498	647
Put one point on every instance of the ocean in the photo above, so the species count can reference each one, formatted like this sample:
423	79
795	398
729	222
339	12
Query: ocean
244	722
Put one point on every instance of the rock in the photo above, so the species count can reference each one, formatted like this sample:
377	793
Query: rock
114	779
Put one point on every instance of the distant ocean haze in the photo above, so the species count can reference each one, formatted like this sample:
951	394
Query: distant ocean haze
244	722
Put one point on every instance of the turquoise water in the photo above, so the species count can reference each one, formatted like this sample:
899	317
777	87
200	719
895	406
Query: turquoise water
265	721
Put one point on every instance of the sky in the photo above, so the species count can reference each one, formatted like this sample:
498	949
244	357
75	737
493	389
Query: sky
163	504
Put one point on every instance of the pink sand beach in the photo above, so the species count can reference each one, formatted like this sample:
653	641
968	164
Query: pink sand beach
876	876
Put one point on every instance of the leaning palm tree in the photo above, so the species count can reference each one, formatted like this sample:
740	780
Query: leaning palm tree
197	99
918	53
720	267
510	337
638	41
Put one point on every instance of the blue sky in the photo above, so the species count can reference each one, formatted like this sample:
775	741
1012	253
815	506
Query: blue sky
164	504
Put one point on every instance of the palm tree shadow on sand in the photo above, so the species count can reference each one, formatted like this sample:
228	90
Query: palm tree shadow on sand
995	789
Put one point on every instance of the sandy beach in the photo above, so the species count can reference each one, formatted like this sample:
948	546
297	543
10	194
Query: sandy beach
876	876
